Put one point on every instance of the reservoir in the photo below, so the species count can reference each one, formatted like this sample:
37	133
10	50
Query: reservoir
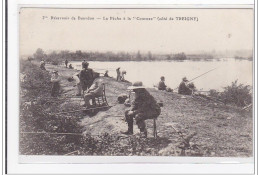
149	72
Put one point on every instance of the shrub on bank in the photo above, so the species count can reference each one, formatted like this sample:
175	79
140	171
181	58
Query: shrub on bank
236	94
34	81
35	86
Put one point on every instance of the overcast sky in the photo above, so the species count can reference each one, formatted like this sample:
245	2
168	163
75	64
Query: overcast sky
218	29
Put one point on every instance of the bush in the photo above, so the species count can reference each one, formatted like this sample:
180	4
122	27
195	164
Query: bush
55	62
236	94
34	81
35	87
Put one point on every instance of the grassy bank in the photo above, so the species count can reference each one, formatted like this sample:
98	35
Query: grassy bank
187	126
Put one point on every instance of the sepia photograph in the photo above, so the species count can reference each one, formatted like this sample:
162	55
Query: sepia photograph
174	82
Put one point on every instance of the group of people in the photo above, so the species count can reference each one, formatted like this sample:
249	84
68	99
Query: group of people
184	88
120	76
86	84
142	108
66	64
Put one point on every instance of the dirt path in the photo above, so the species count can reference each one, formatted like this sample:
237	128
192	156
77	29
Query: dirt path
221	131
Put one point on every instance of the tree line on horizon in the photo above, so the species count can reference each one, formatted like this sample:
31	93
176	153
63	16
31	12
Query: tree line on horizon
79	55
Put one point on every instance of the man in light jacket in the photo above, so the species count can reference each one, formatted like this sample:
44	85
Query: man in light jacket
95	90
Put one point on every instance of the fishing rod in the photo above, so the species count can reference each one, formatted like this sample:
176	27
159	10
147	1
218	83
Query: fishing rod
198	77
202	74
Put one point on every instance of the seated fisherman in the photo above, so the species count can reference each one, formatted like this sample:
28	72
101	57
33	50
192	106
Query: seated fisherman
183	87
123	75
95	90
162	85
70	66
144	107
76	78
42	65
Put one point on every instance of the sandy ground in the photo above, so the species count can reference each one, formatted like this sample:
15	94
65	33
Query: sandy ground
221	131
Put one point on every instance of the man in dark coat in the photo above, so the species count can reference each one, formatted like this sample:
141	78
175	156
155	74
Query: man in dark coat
144	107
183	87
118	74
106	74
162	85
86	77
66	63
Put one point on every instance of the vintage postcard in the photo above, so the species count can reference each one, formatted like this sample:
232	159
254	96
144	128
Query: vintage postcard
169	82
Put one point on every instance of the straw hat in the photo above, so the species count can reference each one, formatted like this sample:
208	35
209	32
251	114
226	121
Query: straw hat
136	85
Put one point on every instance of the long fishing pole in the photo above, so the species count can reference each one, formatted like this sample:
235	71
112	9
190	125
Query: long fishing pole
198	77
202	74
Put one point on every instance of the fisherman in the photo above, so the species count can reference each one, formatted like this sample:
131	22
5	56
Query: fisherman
161	85
84	63
66	63
144	107
86	77
42	65
95	90
55	84
70	66
106	74
76	78
184	88
118	77
122	77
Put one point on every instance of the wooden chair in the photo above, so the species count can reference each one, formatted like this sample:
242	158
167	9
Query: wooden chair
101	101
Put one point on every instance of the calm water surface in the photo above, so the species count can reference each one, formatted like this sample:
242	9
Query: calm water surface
227	71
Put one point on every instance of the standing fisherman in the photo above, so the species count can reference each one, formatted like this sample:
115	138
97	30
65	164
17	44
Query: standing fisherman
66	63
144	107
118	77
84	63
55	84
106	74
86	77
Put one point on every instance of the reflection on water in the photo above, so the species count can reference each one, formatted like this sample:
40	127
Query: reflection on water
228	70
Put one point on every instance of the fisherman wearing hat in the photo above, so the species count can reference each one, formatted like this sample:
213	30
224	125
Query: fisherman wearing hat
144	107
162	85
55	84
95	90
86	77
118	73
183	87
83	64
